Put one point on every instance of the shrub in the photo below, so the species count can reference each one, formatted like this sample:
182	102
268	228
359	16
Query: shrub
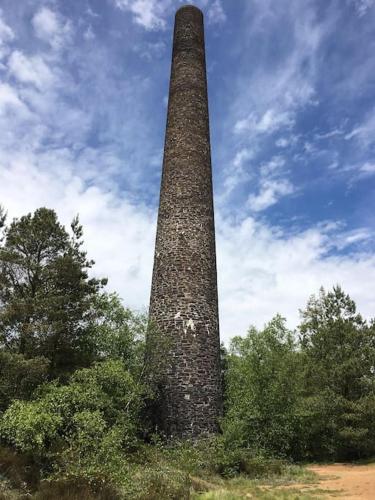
263	390
81	430
30	426
162	482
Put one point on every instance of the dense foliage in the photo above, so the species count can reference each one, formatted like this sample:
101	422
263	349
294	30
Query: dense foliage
306	398
339	378
75	391
46	295
264	385
83	428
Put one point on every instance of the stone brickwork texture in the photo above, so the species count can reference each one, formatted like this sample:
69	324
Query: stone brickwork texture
184	305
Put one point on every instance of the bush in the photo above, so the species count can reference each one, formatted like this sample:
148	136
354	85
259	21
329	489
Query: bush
162	482
263	389
30	426
205	457
81	430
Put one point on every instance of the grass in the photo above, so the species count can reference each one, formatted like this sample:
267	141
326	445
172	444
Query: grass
269	487
257	493
176	473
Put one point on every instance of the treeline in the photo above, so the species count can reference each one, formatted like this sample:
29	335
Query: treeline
74	395
308	395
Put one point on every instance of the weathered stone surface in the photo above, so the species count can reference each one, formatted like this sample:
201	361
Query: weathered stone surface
184	305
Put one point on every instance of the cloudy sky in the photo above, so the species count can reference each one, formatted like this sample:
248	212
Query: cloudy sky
83	95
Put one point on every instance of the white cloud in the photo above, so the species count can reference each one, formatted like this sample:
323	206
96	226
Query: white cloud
353	133
364	133
268	122
331	133
6	35
333	165
269	95
89	33
91	13
154	14
237	172
118	234
262	271
9	100
271	167
46	24
310	148
150	51
272	185
353	172
6	32
290	140
363	6
147	13
282	142
243	156
368	168
216	12
51	27
355	236
270	192
30	69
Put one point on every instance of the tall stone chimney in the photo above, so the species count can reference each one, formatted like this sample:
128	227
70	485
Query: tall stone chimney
184	304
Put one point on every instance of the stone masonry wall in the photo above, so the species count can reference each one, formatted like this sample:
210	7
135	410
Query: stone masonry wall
184	306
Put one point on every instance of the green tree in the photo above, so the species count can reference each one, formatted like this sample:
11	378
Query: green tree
80	429
263	387
46	294
118	333
339	349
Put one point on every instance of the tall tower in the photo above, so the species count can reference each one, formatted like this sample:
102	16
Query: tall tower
184	305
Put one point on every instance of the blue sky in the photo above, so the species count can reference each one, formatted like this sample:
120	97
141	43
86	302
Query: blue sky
83	96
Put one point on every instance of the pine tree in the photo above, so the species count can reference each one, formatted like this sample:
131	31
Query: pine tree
339	380
46	295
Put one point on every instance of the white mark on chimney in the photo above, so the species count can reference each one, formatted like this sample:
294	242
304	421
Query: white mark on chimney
190	324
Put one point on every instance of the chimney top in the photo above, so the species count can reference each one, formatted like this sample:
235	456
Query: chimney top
189	6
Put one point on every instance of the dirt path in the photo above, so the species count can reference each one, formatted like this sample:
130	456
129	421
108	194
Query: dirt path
347	481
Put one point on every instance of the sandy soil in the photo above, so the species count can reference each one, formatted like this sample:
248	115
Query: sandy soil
347	480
